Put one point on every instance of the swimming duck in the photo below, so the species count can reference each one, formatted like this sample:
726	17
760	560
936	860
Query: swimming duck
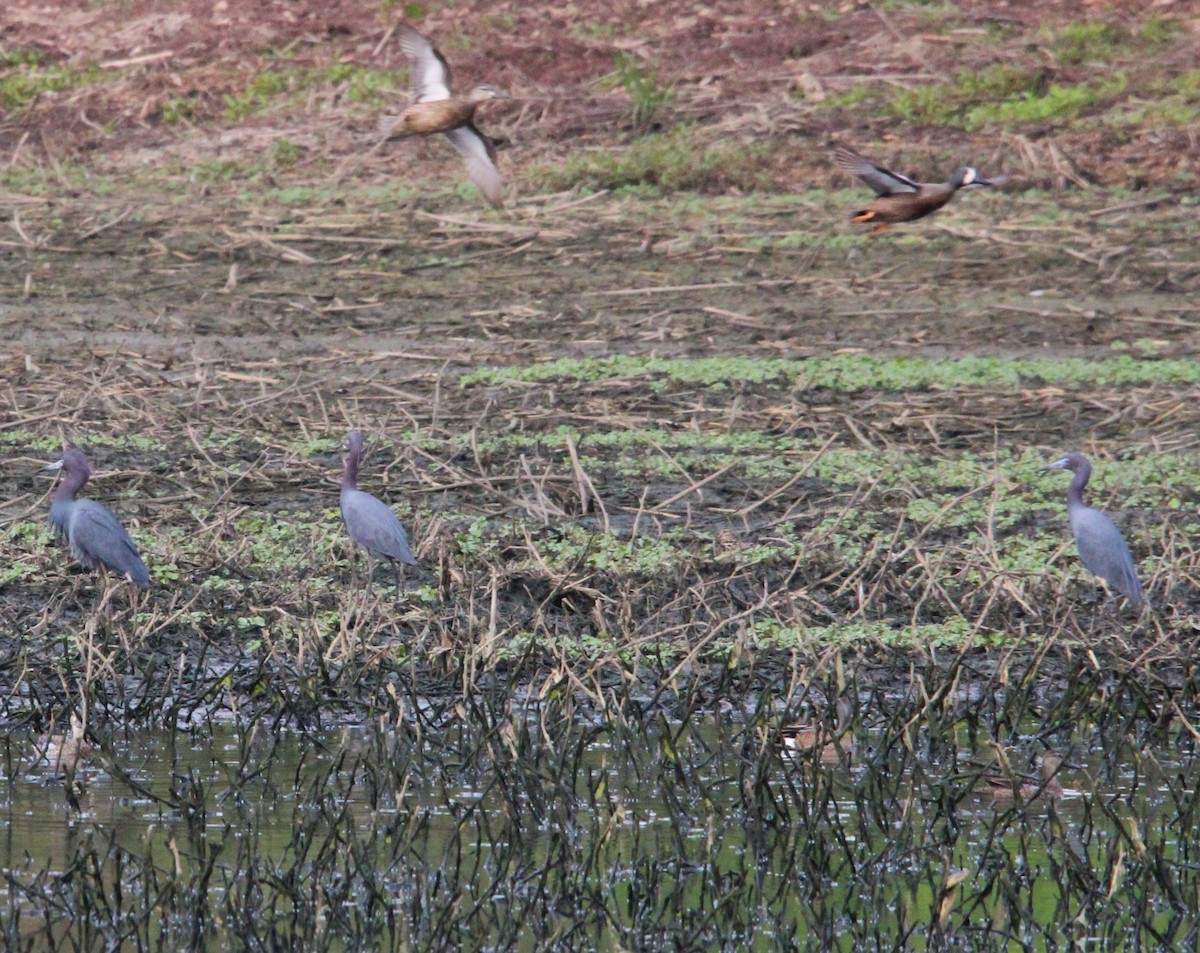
63	753
435	110
831	745
900	198
1001	786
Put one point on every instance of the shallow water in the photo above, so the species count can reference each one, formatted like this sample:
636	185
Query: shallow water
536	833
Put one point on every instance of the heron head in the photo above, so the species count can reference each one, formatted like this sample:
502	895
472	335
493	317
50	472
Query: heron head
1072	462
71	461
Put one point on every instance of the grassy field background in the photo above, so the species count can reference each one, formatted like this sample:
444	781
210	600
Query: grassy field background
668	406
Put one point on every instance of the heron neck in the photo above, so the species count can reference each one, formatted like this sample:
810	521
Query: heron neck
350	474
70	484
1080	480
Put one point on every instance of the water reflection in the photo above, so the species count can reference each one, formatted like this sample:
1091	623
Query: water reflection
521	831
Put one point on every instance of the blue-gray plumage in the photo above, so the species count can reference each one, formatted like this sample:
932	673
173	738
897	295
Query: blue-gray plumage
370	523
1102	548
95	536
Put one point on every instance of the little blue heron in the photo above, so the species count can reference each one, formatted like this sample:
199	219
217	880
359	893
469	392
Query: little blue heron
1102	548
95	536
370	523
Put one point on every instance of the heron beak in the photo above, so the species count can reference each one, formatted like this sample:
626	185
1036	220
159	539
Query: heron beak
1057	465
56	465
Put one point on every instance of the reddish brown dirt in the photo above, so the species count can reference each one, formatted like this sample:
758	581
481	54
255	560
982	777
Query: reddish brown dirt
729	62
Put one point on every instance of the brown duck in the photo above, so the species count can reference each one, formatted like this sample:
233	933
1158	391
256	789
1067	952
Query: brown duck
1007	787
831	745
900	199
63	753
435	110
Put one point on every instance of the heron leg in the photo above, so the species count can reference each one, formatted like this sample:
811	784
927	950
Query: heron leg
104	594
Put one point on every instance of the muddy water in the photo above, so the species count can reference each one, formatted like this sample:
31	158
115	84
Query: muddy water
633	841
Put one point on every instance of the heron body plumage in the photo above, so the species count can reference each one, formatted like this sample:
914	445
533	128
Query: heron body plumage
374	527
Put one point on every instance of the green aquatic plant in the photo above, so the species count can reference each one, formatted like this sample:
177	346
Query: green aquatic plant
950	634
850	372
657	163
266	86
177	109
647	96
21	83
1057	102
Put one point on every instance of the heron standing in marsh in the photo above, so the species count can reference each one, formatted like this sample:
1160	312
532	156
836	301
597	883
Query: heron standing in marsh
95	536
1102	548
370	523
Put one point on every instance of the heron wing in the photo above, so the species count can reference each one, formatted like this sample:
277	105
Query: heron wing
373	526
429	73
97	536
479	156
1103	551
883	181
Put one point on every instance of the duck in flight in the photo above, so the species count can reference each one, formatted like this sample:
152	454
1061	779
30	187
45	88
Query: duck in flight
435	110
900	199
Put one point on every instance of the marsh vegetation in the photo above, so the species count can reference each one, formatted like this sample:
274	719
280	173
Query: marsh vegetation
685	459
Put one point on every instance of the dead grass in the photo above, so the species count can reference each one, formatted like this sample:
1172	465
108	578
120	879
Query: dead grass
211	332
618	518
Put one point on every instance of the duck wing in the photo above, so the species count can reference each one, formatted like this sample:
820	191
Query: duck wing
479	156
883	181
429	73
